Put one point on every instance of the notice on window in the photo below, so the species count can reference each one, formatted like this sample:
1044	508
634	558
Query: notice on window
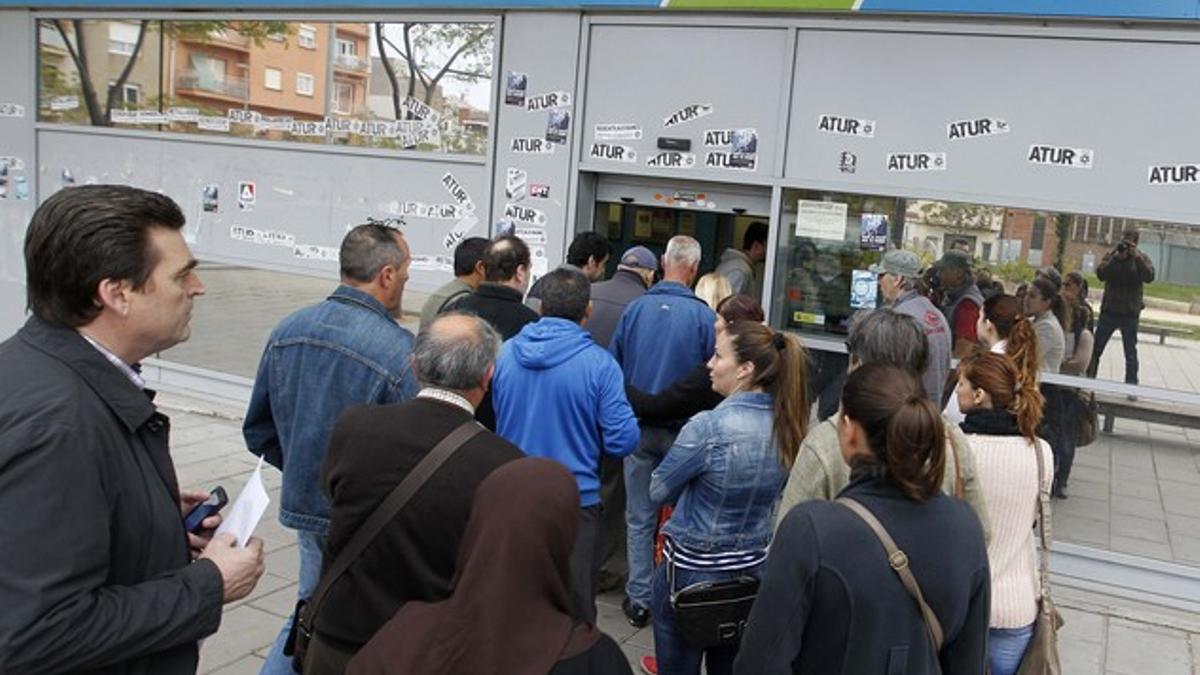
821	220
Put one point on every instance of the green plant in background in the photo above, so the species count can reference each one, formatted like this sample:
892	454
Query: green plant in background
1014	272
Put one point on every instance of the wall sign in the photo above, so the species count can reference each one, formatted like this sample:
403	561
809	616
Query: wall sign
688	113
846	126
525	215
1178	174
821	220
612	151
458	192
1055	155
916	161
984	126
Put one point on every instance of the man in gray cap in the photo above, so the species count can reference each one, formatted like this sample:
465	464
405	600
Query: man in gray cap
962	301
635	274
897	272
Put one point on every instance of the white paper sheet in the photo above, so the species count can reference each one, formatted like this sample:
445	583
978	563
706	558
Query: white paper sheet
247	509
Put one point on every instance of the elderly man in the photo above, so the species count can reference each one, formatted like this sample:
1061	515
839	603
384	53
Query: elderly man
897	272
371	451
347	350
962	302
819	472
96	574
561	396
662	336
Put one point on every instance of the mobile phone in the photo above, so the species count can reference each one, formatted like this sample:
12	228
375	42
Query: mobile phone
215	502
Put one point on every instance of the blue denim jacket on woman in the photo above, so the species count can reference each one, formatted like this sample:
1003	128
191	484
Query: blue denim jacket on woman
319	361
726	473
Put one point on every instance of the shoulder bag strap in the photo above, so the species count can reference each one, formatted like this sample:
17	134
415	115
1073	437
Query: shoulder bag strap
449	303
1043	525
899	562
390	508
959	489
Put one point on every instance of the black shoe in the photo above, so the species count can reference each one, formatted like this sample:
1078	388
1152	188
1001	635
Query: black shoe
1058	492
638	617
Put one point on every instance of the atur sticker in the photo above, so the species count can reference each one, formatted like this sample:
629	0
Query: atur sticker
12	110
554	99
983	126
1055	155
672	159
688	113
531	145
458	192
916	161
1175	174
524	215
846	126
613	152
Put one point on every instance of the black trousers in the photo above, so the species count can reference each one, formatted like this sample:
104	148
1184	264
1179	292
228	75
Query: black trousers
1128	325
612	516
585	565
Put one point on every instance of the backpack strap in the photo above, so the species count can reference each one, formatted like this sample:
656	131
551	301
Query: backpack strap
899	562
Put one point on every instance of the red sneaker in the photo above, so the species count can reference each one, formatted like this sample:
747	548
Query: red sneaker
649	665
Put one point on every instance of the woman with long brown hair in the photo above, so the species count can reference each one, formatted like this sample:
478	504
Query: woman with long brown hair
829	601
1002	418
1003	328
724	473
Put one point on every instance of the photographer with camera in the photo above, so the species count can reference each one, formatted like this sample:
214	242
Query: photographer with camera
1124	271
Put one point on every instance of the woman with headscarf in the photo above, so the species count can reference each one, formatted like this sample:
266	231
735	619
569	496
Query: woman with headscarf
509	613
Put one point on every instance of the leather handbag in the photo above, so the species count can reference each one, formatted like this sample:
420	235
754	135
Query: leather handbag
301	636
712	613
899	563
1041	656
1085	418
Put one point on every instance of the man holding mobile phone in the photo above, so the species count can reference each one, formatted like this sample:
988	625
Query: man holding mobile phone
96	573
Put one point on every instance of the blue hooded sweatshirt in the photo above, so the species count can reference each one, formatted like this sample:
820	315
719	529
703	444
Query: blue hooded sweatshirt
561	396
662	336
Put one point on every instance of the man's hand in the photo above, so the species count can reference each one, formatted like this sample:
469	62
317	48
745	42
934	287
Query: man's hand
188	500
240	567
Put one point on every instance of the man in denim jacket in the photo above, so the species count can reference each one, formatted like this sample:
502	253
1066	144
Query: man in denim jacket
321	360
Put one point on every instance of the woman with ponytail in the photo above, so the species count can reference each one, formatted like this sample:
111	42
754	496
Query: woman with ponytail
1001	424
829	600
724	474
1004	329
1046	306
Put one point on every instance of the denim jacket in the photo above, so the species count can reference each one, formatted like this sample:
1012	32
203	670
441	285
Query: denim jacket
726	473
318	362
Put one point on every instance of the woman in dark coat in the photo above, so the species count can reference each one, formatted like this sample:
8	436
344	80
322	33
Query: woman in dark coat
829	602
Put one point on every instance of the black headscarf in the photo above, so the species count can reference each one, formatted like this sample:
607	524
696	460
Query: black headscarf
509	611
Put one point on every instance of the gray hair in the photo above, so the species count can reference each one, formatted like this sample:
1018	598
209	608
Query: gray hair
682	251
455	351
367	249
889	337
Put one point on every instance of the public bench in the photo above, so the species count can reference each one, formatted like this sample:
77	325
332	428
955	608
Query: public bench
1154	412
1163	331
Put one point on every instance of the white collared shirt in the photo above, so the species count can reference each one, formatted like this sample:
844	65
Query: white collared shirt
447	396
116	361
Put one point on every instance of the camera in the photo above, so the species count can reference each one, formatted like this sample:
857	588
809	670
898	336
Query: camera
1122	247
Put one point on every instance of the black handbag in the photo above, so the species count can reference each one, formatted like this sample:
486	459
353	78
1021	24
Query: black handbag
712	613
1084	417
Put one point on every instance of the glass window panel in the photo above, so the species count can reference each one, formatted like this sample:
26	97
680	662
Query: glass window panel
414	86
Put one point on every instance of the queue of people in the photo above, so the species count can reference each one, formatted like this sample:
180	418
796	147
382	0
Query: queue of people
448	489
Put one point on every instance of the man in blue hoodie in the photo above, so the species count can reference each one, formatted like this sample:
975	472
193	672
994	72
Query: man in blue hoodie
561	396
662	336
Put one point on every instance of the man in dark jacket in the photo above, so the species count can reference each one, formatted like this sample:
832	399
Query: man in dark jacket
1125	270
588	253
97	573
561	396
374	448
498	300
635	273
346	350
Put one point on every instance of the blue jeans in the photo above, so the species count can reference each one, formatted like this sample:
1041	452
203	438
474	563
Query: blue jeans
677	656
1006	648
641	514
311	546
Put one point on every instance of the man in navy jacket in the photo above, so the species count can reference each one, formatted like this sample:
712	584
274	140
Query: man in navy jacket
561	396
661	337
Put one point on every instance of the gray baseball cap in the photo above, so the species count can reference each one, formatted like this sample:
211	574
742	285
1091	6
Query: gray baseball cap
639	257
899	262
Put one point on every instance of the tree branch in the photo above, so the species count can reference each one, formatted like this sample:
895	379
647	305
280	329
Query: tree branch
120	81
388	68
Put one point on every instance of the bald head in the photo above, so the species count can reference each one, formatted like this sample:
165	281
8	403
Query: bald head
457	352
681	259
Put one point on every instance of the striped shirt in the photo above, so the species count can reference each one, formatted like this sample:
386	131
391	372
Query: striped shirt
724	561
116	361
